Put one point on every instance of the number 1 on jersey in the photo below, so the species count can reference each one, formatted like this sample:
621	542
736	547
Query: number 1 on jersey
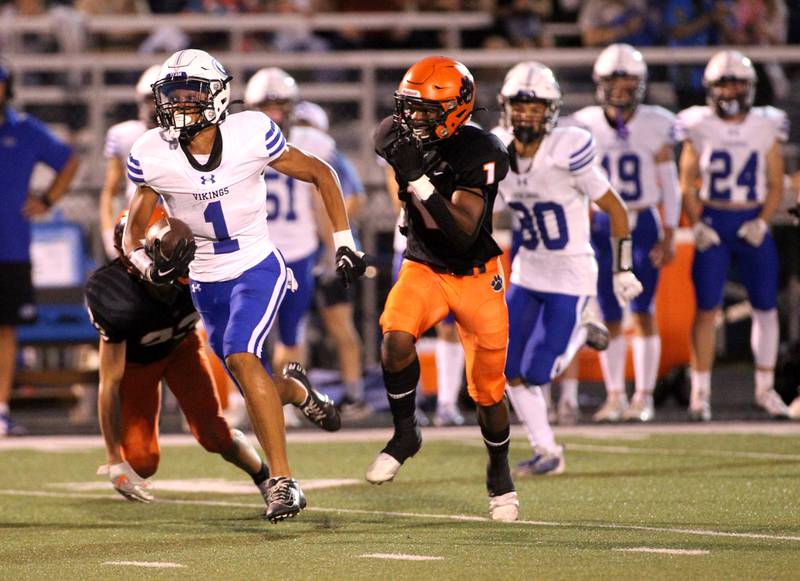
488	167
213	215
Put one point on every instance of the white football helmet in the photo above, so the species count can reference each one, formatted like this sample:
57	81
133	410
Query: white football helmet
193	92
312	114
724	67
144	88
619	61
529	82
275	92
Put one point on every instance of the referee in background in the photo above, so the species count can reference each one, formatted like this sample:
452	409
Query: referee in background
24	142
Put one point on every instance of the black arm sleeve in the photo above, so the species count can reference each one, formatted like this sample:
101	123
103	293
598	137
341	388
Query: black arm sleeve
438	209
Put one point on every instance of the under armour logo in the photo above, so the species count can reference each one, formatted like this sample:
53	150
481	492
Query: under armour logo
194	287
208	179
497	283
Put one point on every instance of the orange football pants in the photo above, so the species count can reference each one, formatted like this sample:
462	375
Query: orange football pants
189	377
422	297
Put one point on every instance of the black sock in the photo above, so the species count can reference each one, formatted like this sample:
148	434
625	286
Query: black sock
262	475
498	473
401	388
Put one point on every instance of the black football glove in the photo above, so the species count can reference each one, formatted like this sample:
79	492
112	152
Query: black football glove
167	270
350	264
403	151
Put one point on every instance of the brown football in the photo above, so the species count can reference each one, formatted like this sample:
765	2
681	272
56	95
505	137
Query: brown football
169	231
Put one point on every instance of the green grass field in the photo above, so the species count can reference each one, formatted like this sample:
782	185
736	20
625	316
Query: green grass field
725	505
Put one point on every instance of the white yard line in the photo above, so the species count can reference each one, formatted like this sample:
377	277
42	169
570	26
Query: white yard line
681	452
400	557
148	564
662	551
426	516
622	432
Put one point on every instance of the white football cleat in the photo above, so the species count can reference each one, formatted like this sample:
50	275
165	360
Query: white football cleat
612	410
504	508
794	409
640	410
773	404
700	406
383	469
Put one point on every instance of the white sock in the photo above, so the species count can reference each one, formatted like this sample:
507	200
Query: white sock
764	337
354	390
3	408
765	380
534	415
514	395
449	372
646	359
701	384
569	391
612	362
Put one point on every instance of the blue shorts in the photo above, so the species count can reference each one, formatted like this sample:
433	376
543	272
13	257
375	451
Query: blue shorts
541	326
296	304
645	235
757	268
239	313
397	262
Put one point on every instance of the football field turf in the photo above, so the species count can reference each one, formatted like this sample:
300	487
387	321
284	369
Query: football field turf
712	502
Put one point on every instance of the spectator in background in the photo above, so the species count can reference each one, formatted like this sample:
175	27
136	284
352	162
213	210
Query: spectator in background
24	141
693	23
762	22
604	22
520	24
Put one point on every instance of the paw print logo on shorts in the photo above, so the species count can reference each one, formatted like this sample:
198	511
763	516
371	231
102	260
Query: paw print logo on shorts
497	283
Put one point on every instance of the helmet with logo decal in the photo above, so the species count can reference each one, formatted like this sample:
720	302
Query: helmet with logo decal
730	82
529	82
435	98
193	92
620	75
275	92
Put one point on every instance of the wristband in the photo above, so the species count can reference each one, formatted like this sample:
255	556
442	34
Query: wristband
140	260
621	254
344	238
423	188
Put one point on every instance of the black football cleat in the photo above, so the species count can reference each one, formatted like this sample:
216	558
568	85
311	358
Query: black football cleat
317	407
284	499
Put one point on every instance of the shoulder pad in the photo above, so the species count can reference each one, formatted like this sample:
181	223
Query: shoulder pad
313	141
571	148
584	117
688	119
778	119
504	135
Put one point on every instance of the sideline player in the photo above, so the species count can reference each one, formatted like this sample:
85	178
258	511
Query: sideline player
448	174
635	143
119	140
148	334
237	278
734	150
553	178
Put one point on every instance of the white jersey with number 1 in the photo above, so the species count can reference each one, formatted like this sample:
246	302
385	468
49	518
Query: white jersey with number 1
226	207
550	196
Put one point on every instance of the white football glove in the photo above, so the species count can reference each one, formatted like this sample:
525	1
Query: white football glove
704	236
626	286
753	231
129	484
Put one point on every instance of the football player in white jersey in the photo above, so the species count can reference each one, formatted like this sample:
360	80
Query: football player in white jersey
734	151
119	140
207	167
554	177
290	205
635	143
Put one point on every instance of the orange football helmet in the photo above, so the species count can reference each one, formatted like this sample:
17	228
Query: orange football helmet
435	98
